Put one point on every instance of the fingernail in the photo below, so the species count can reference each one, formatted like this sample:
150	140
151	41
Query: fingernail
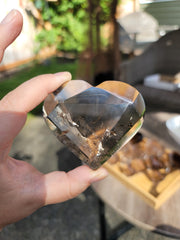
99	174
11	15
65	76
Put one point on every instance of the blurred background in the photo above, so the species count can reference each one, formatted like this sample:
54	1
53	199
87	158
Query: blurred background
89	38
92	38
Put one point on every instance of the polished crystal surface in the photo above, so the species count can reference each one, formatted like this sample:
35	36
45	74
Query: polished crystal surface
94	122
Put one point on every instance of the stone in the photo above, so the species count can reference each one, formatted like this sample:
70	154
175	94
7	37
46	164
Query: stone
94	122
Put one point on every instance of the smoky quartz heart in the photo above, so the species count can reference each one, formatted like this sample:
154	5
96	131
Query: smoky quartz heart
94	122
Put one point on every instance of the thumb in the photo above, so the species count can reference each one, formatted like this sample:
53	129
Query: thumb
61	186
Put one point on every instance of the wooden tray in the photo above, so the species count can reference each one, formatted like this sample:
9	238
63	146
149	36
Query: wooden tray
142	185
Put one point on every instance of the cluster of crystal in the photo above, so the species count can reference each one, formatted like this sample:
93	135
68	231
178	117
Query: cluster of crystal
94	122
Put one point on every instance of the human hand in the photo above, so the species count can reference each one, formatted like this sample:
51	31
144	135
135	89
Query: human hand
23	189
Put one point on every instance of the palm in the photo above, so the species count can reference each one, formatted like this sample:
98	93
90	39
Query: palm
23	189
23	193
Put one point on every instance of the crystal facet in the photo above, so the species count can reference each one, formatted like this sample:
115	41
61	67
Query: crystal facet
94	122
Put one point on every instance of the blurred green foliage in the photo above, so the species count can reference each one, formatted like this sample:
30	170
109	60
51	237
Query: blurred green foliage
70	22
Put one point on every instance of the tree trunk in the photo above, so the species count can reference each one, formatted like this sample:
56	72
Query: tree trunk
98	37
115	42
91	52
90	11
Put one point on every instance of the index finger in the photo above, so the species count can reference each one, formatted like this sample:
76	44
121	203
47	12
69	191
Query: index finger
32	92
15	105
10	28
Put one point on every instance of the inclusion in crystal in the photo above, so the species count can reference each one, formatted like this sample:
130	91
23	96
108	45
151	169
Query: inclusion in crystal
94	122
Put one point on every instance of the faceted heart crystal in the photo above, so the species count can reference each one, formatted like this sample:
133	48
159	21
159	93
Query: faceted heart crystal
94	122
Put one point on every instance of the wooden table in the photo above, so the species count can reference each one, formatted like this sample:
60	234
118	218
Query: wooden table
165	220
